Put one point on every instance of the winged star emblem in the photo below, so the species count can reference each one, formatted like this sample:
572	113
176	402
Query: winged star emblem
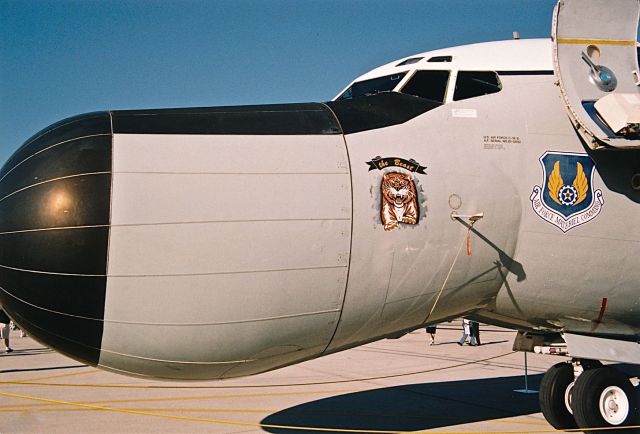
568	194
562	204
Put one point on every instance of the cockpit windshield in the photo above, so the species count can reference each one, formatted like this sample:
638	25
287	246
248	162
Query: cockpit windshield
372	87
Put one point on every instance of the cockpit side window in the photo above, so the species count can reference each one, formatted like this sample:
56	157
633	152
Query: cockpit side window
372	86
431	85
476	83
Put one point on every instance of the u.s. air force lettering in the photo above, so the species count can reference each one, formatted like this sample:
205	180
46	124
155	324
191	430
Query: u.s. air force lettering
566	204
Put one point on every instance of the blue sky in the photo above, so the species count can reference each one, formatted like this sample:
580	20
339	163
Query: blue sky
62	58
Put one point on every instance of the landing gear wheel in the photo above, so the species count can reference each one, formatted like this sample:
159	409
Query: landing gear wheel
604	397
555	396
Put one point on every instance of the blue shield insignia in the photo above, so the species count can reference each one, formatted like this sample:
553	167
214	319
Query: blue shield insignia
567	198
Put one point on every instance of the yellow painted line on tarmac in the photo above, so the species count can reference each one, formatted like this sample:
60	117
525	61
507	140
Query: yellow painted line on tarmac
193	398
255	411
197	419
170	410
235	396
259	425
69	374
260	411
318	383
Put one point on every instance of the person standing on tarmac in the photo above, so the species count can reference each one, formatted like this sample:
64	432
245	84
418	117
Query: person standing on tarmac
474	327
431	330
470	328
5	330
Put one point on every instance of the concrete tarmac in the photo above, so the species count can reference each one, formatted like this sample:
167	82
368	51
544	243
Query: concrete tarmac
388	386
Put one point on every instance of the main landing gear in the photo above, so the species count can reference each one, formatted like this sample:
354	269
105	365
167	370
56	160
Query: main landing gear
584	394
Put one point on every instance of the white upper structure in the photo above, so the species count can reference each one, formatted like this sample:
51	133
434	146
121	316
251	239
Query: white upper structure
500	56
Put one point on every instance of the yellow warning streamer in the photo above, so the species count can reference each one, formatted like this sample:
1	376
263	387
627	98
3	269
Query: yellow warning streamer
595	41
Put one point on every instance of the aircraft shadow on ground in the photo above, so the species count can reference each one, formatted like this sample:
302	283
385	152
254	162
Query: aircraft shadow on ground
414	406
484	343
29	352
52	368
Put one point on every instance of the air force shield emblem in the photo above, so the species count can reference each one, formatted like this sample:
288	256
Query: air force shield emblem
567	198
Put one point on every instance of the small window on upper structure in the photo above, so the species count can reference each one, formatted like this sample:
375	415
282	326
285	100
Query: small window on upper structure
441	59
476	83
410	61
372	86
431	85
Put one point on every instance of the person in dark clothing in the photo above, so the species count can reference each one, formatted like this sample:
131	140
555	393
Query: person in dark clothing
431	330
474	327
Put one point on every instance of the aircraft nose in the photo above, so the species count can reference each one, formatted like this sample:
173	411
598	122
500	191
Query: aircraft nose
54	228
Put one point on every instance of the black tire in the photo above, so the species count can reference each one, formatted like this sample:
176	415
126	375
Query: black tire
552	396
590	364
594	389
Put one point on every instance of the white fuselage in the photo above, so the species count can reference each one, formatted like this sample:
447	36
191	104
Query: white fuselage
300	265
233	253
